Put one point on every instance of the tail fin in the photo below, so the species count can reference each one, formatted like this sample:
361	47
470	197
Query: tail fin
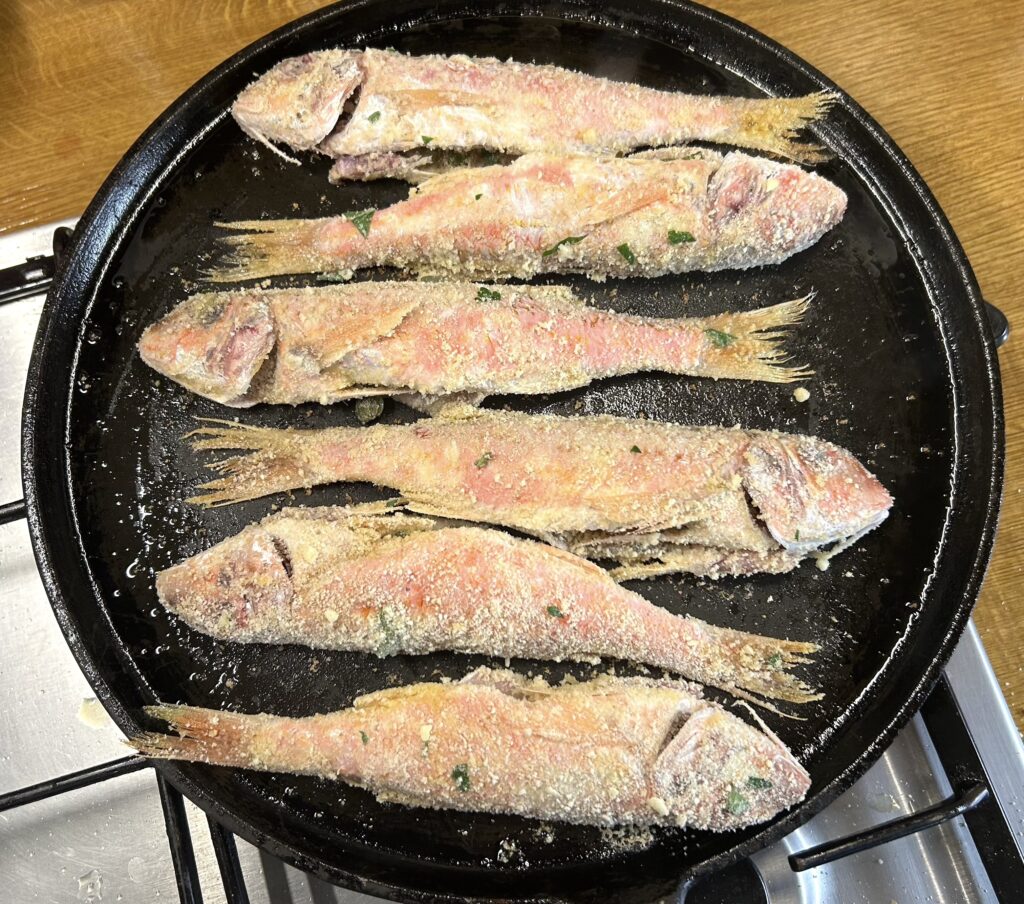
275	462
772	125
750	666
748	346
270	248
202	735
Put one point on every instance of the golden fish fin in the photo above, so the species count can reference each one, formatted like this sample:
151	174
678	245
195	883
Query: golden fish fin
748	345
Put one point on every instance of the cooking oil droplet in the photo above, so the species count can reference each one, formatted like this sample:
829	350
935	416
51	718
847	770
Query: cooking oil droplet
90	887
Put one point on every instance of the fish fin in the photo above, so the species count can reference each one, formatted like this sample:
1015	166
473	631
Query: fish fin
353	328
274	462
201	735
748	345
270	248
758	668
772	124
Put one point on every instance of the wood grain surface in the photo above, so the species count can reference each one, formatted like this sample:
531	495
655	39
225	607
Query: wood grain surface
83	78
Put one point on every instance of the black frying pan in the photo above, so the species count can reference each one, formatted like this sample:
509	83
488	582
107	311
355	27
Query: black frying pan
906	379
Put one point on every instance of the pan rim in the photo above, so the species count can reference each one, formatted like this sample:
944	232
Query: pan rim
103	227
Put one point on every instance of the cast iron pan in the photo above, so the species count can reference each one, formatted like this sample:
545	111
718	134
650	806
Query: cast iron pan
906	379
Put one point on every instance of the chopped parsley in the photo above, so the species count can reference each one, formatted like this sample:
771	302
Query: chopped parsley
365	737
797	536
460	775
568	240
361	220
394	503
555	612
368	410
761	784
485	294
484	460
478	197
427	139
678	236
720	339
627	253
736	803
390	643
374	116
636	450
775	660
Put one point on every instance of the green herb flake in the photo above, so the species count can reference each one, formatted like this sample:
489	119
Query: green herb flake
460	775
678	236
568	240
361	220
368	410
627	253
484	460
478	197
390	643
736	803
374	116
636	450
720	339
775	660
485	294
365	737
555	612
394	503
797	536
761	784
427	139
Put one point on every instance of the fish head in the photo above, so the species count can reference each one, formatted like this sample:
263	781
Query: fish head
235	590
213	344
300	100
766	210
720	773
811	494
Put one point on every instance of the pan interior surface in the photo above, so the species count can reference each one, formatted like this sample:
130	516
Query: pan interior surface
887	387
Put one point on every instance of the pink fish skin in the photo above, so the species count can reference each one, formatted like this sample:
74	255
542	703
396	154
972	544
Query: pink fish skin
436	341
654	496
353	579
602	217
611	751
358	105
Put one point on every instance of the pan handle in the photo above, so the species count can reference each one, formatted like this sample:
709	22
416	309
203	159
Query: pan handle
945	810
12	511
999	324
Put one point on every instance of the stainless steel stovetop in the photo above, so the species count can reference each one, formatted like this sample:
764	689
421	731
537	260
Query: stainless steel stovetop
107	842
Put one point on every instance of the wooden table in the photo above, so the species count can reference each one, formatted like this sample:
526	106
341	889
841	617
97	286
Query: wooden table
944	77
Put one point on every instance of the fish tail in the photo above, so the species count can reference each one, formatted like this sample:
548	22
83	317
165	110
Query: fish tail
201	735
270	248
748	346
275	461
772	125
750	666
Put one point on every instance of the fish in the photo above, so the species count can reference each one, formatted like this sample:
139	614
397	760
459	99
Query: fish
365	579
601	217
380	113
654	497
431	343
611	751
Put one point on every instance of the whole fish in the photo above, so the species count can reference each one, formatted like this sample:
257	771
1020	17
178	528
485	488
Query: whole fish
655	497
429	342
381	113
356	579
605	752
600	216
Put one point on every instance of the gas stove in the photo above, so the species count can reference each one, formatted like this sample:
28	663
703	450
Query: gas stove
938	818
